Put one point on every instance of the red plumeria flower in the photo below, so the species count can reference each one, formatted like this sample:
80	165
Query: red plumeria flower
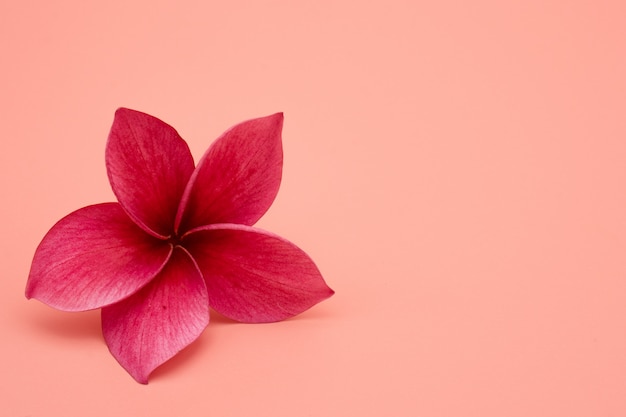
179	240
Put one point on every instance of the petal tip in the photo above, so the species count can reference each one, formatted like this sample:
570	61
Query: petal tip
324	294
121	111
142	378
28	291
277	118
272	121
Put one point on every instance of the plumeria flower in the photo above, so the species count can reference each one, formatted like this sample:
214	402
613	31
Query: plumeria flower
179	239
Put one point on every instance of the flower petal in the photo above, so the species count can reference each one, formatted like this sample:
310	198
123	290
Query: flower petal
148	328
238	177
93	257
148	165
254	276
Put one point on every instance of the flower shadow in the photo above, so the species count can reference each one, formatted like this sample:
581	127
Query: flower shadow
185	356
75	325
219	320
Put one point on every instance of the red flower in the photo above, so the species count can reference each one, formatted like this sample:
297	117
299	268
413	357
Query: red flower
179	240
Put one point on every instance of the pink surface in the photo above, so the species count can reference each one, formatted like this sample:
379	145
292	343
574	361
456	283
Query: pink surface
456	170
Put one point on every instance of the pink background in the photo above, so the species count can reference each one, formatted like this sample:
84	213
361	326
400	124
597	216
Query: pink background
456	169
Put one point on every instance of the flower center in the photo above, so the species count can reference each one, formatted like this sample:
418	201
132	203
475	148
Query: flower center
174	240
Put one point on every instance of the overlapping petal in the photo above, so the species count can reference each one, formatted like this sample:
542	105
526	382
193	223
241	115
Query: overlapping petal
93	257
148	165
148	328
238	177
255	276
